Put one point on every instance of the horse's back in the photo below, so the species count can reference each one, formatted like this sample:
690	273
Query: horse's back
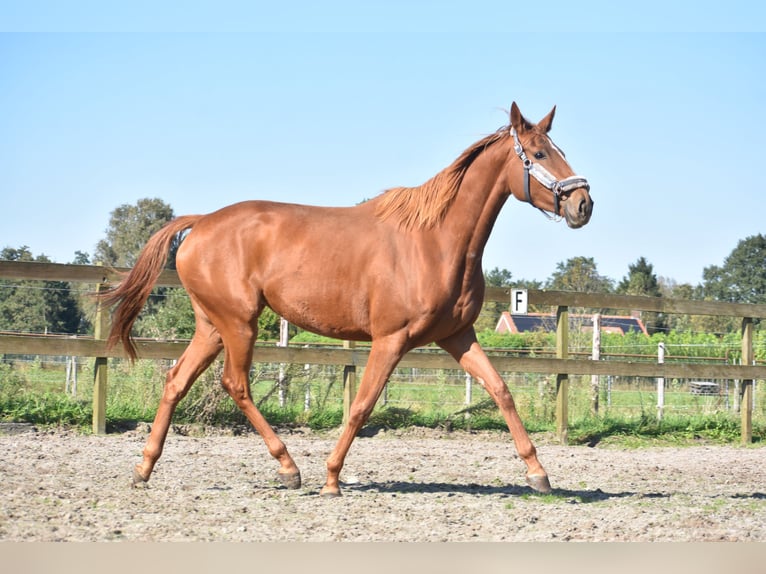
309	264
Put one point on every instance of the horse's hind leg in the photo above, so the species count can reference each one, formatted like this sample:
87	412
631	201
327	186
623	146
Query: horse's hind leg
384	356
238	358
201	352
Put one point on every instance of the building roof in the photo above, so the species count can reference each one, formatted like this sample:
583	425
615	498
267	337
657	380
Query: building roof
511	323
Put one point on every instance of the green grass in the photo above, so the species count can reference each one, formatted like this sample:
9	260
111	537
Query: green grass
721	428
35	393
45	409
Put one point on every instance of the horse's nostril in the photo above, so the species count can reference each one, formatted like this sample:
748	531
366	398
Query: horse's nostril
584	207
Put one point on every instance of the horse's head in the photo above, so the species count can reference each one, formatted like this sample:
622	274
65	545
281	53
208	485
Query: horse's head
553	187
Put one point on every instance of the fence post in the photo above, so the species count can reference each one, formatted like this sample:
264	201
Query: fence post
468	394
746	388
595	380
100	370
562	379
660	382
349	384
71	376
609	381
284	335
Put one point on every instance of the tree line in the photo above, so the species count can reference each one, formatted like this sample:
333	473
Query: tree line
60	307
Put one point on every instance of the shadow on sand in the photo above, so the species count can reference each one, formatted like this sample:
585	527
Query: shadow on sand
503	491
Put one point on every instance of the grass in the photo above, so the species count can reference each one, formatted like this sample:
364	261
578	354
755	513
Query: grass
45	409
34	393
720	428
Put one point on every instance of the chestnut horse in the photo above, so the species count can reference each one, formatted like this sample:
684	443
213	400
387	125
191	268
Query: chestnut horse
401	270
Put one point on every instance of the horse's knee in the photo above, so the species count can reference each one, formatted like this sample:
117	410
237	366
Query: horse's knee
501	395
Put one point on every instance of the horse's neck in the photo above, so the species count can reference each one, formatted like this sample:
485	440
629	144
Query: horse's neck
482	194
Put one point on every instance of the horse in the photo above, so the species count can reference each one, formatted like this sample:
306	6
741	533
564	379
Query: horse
401	270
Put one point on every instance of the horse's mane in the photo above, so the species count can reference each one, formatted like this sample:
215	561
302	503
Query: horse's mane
424	206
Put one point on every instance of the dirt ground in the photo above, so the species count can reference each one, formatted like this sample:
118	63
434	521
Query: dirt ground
420	486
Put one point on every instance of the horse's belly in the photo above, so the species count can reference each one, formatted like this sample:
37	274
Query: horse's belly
323	311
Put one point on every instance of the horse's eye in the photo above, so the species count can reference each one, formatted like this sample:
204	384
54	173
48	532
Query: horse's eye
539	155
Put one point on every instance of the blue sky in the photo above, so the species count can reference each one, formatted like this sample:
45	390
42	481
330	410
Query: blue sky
661	108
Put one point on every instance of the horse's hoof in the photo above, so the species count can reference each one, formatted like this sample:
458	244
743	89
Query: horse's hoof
138	480
329	493
291	480
539	482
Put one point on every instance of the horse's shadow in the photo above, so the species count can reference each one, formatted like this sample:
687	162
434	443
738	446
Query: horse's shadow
503	491
753	496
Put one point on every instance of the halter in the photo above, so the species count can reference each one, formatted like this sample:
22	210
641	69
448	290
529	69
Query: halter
546	179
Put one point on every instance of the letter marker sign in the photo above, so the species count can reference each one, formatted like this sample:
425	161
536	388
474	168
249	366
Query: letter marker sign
519	301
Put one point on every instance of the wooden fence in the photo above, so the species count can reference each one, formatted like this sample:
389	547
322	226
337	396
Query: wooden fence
352	357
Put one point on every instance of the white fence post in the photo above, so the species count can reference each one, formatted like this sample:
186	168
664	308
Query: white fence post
609	381
660	382
468	393
282	381
71	376
595	380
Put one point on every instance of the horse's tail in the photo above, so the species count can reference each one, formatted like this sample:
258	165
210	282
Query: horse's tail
133	291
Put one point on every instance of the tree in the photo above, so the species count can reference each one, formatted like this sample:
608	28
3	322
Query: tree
579	274
130	227
36	306
641	280
673	290
742	277
81	258
498	277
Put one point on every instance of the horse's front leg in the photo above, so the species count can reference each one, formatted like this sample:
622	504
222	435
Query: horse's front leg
467	351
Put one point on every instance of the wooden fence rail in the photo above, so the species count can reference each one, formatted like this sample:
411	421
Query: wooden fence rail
352	357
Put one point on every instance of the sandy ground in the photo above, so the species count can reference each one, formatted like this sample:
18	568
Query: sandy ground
420	486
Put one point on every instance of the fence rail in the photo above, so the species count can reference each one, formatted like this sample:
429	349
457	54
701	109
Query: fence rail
357	357
351	357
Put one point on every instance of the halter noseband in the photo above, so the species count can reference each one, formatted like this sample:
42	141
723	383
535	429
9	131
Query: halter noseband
546	178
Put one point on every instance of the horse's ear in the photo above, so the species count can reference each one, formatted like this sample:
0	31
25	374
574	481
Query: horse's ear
519	122
546	123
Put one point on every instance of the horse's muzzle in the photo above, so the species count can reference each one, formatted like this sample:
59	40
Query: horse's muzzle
577	208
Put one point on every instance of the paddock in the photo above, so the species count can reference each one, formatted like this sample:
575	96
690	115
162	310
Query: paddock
415	485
